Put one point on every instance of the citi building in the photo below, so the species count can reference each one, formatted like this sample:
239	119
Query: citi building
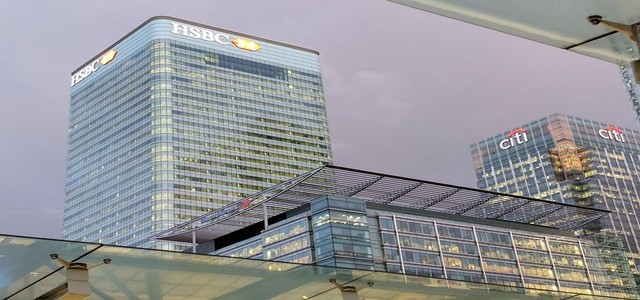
570	160
177	119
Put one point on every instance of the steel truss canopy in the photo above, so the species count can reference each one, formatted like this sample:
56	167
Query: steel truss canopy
561	24
380	189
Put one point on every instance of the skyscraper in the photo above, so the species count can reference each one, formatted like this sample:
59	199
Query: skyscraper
178	118
571	160
631	87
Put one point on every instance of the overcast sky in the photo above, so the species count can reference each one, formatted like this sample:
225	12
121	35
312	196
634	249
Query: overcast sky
406	91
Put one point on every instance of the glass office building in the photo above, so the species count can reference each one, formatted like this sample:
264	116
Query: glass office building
349	233
354	219
631	87
570	160
177	119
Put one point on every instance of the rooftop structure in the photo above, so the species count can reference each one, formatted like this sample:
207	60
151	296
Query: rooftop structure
380	189
356	219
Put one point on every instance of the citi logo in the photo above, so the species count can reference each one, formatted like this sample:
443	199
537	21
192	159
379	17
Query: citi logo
515	137
612	133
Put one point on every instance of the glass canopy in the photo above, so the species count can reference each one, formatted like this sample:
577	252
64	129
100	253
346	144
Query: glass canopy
562	24
27	272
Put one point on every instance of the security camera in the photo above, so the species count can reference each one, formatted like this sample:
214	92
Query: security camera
59	260
595	19
370	283
106	261
632	31
625	29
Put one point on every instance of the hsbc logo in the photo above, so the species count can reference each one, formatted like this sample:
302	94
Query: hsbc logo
612	133
92	67
212	36
200	33
514	137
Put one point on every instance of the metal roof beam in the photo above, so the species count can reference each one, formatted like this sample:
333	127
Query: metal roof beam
509	210
348	192
437	199
465	207
540	215
390	197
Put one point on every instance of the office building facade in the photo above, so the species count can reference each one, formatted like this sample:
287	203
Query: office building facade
177	119
354	219
350	233
570	160
631	87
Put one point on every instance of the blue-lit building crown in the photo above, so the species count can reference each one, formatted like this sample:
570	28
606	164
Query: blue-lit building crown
183	120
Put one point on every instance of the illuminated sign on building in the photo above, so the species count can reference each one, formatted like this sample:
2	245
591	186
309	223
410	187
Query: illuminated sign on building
212	36
612	133
92	67
108	57
515	137
200	33
246	44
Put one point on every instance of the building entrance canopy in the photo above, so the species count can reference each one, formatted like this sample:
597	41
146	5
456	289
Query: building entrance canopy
561	24
27	271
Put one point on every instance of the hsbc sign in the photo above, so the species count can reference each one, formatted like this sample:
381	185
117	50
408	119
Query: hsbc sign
514	137
212	36
92	67
200	33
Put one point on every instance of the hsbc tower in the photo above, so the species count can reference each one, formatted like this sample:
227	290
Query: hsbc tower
177	119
